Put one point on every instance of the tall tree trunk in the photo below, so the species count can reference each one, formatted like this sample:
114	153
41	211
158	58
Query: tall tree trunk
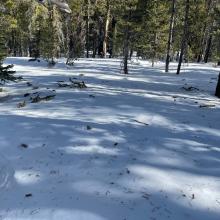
170	39
185	36
107	22
51	19
94	45
208	48
205	30
69	38
126	49
154	49
87	26
217	92
211	5
113	37
131	53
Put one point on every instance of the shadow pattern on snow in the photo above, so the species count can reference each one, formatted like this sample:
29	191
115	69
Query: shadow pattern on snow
139	146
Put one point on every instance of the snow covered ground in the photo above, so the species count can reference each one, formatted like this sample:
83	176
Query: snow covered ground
140	147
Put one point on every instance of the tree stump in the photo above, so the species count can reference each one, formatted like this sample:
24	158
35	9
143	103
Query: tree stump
217	92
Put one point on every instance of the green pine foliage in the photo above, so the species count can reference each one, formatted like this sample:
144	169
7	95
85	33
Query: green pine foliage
51	35
215	52
3	48
6	74
45	31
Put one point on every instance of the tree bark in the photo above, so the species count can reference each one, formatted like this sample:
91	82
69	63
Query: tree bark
107	22
155	44
210	5
208	48
217	92
113	37
126	50
170	39
185	36
87	26
205	31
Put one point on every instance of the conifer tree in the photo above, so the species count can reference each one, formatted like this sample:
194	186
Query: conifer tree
213	48
74	31
171	31
6	74
184	36
51	35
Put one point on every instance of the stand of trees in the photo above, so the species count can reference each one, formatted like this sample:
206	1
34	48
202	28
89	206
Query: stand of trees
6	74
180	30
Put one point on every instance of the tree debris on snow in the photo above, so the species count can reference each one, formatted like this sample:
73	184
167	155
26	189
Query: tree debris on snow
24	146
21	104
28	195
73	84
190	88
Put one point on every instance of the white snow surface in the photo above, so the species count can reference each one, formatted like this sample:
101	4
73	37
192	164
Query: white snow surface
127	147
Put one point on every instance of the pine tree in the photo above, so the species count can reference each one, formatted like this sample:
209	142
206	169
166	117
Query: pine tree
184	36
87	5
74	32
38	22
51	35
6	74
129	10
170	38
128	24
213	48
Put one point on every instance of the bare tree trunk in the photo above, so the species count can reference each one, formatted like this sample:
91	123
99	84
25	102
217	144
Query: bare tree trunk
51	18
94	45
126	50
154	49
131	53
211	4
217	92
87	26
208	48
107	22
127	36
69	44
204	37
169	45
184	37
205	31
113	37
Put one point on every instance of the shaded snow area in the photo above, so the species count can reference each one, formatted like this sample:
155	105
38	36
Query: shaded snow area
89	143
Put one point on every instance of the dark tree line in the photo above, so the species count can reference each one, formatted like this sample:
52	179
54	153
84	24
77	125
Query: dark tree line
175	30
